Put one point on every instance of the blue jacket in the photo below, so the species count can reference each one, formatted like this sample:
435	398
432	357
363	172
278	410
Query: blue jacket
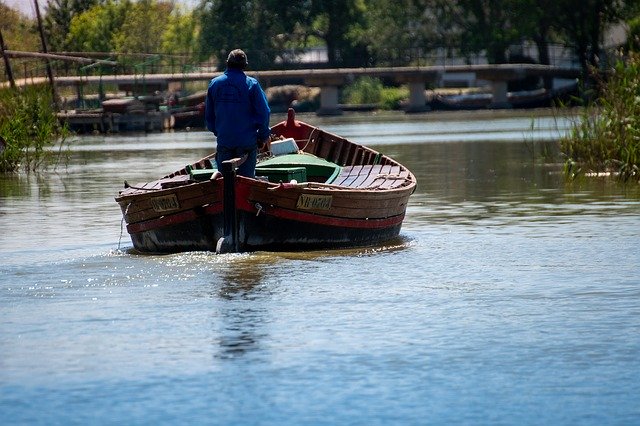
236	110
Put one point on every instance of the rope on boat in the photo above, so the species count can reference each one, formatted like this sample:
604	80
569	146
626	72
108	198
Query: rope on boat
127	185
122	224
309	138
392	176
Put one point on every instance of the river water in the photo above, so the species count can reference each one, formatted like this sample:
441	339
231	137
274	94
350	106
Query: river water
512	295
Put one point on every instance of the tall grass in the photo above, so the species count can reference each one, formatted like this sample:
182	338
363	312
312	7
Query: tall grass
606	137
29	129
370	90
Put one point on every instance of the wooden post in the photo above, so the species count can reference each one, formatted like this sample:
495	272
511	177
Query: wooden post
44	50
7	65
230	242
230	212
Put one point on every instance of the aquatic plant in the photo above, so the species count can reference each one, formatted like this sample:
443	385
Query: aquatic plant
364	90
29	129
606	136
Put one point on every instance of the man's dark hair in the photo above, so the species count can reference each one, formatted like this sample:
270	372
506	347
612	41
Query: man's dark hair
237	59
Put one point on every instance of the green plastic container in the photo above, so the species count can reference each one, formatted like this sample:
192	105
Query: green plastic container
201	174
283	174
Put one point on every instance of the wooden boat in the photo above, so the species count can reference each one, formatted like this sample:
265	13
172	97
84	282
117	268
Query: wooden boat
313	190
524	99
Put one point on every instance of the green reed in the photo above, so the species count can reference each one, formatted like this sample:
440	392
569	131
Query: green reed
606	136
29	129
370	90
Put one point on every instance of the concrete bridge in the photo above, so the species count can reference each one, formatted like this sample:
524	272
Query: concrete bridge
330	80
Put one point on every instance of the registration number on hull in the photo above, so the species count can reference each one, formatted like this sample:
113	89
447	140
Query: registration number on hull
165	203
314	202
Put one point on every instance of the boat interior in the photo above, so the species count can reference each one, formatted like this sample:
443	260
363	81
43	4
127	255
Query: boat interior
352	167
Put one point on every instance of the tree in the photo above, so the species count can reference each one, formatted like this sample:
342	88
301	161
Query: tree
396	31
94	30
583	23
181	33
57	19
143	27
224	26
488	25
340	24
536	21
633	44
264	29
18	31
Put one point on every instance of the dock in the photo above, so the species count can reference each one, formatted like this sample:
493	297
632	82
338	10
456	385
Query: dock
113	122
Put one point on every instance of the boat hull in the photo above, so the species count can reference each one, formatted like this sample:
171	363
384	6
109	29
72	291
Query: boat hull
260	233
348	195
268	220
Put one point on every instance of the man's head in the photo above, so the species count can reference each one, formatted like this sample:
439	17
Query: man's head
237	59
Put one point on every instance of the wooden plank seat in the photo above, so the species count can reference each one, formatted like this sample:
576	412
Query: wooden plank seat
372	177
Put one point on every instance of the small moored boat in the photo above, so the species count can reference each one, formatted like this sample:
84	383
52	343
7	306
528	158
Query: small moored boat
313	190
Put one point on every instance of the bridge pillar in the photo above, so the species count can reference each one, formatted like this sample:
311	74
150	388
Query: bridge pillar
329	101
329	85
417	100
499	92
416	78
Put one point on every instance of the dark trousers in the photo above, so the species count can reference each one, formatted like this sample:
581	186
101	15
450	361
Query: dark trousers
248	168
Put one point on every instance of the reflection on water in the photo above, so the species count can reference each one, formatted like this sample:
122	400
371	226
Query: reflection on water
240	277
240	325
511	294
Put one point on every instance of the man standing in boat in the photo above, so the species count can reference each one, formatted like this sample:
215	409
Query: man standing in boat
237	112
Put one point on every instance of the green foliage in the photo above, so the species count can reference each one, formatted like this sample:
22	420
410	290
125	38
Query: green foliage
633	42
29	128
369	90
263	28
341	24
57	20
143	26
18	31
391	97
490	26
606	138
224	27
394	27
181	33
364	90
354	32
95	29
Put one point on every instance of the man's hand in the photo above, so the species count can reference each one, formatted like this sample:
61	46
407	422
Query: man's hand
264	145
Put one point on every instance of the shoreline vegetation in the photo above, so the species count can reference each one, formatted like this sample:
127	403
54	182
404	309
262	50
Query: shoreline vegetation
605	139
333	34
29	128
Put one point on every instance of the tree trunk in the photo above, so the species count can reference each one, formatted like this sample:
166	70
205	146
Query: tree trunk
543	58
44	50
7	65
